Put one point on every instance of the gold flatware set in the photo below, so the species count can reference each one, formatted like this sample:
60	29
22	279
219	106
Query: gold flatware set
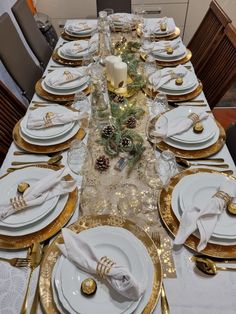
208	266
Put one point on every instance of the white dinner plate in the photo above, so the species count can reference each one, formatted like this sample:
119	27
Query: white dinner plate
168	58
119	250
63	92
122	18
78	56
80	81
54	141
189	137
50	132
8	187
178	92
189	81
176	206
81	32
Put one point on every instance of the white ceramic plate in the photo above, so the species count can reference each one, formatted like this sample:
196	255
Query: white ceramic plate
8	187
54	141
79	56
116	250
168	58
180	92
63	92
82	32
176	206
189	137
83	79
47	133
189	81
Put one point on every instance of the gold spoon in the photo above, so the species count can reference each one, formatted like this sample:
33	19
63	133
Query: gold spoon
209	267
186	164
51	161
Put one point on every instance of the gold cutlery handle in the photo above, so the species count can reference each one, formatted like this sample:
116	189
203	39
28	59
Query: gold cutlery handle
164	303
210	159
211	165
25	302
5	259
226	268
18	163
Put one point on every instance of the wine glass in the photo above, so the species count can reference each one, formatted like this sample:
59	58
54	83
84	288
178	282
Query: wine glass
128	199
169	157
81	102
156	129
159	104
109	11
87	59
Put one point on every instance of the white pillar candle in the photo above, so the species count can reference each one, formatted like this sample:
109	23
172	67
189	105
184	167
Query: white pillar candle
120	74
109	62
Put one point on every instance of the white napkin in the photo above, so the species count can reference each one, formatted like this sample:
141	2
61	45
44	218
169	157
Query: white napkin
43	190
170	26
121	18
78	27
166	75
36	122
60	78
177	126
77	47
82	255
204	219
160	46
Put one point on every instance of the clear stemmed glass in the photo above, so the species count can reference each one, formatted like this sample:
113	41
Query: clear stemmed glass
128	199
109	11
87	59
156	129
81	102
159	104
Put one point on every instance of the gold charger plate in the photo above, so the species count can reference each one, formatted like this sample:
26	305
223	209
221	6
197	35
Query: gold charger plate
60	60
55	98
68	37
20	242
88	222
170	63
172	223
191	154
20	142
173	35
176	98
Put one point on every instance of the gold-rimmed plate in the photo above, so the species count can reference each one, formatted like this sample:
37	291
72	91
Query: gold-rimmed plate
191	154
56	98
60	60
176	98
169	63
19	242
171	36
172	223
68	37
32	148
88	222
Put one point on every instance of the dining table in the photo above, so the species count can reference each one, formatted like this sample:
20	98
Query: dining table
188	290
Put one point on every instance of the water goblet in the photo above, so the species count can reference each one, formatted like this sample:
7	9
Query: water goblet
76	156
156	129
160	103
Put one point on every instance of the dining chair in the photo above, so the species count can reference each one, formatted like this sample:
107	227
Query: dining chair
31	32
208	34
16	58
11	110
219	72
117	6
230	140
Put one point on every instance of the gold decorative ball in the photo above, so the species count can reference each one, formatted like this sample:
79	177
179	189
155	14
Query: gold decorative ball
198	128
88	287
232	208
163	27
179	81
22	187
169	50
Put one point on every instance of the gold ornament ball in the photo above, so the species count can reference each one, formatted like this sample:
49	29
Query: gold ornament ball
88	287
22	187
232	208
169	50
179	81
198	127
163	27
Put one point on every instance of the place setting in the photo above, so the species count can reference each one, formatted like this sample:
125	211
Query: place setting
61	84
49	129
189	133
79	30
118	21
104	276
201	214
36	202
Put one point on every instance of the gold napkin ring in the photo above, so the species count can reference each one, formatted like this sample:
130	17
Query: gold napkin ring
18	202
69	75
224	196
194	117
48	119
104	266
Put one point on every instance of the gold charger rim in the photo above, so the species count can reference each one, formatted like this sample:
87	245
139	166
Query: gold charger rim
20	142
60	60
172	223
20	242
88	222
68	37
61	99
173	35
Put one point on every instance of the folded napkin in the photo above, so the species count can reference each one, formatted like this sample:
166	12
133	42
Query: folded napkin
76	47
204	219
121	17
177	126
78	27
51	119
170	26
82	255
161	77
43	190
160	46
60	78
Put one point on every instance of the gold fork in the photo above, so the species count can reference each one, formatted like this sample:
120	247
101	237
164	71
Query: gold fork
16	261
164	303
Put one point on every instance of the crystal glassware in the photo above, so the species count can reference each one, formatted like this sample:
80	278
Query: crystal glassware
159	104
128	199
76	156
156	133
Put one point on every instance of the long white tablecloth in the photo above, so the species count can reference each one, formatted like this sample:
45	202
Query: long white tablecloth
189	293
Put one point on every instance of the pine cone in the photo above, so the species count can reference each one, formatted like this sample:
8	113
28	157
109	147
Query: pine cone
102	163
131	122
119	99
125	142
108	131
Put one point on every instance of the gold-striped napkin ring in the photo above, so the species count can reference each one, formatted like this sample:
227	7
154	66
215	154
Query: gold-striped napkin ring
194	117
224	196
18	202
48	119
104	266
69	76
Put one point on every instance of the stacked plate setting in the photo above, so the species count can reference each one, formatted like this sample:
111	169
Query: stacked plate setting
52	135
80	29
155	29
189	140
197	190
76	50
123	248
34	218
178	53
119	19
